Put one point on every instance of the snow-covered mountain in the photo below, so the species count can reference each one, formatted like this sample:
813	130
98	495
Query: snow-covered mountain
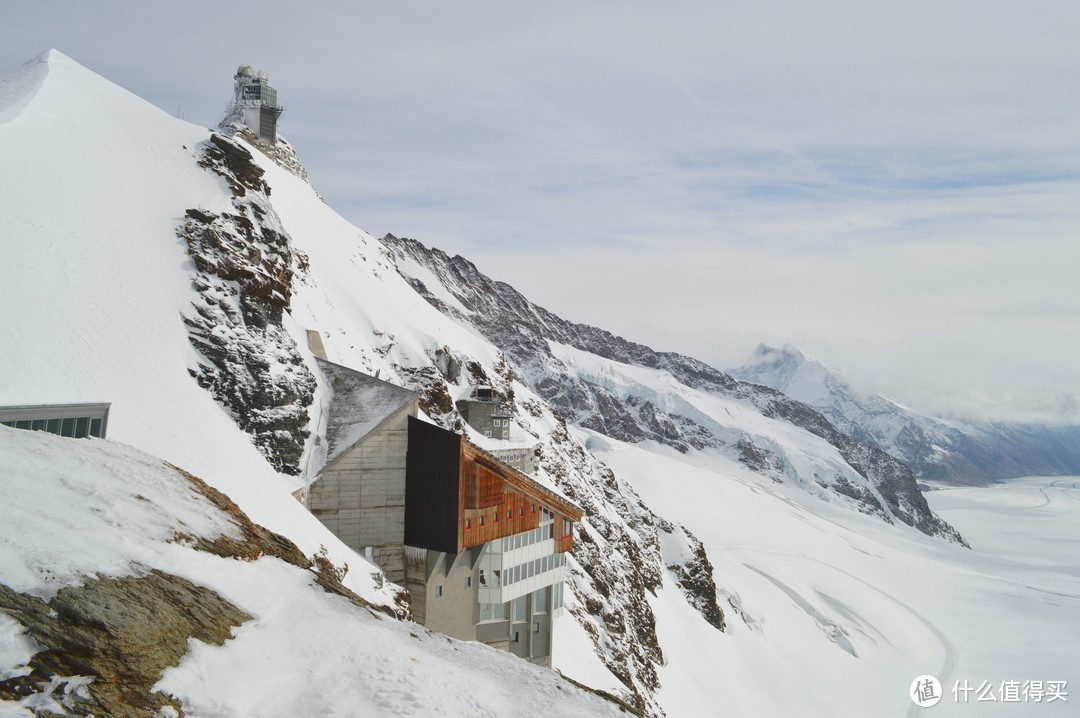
938	449
734	540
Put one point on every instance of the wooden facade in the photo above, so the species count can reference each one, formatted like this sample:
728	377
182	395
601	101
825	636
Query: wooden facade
458	496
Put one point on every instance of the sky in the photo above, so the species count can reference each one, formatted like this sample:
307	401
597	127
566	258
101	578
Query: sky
894	188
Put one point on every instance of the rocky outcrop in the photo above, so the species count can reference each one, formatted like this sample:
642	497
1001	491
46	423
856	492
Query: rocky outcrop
244	269
693	572
106	643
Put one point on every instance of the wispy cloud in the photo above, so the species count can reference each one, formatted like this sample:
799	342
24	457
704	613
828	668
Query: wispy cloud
891	186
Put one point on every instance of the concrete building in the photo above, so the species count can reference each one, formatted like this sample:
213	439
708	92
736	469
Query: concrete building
254	104
479	545
522	458
360	491
75	420
487	412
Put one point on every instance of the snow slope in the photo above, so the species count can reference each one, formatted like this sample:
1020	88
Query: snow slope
116	511
837	613
94	183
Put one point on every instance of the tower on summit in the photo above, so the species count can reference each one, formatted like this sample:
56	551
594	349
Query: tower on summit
254	104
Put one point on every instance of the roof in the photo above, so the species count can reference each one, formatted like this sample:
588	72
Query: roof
359	403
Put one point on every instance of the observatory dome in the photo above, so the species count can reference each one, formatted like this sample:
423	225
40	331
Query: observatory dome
245	70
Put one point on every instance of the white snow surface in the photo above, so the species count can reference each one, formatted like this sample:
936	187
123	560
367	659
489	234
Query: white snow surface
841	612
836	612
75	508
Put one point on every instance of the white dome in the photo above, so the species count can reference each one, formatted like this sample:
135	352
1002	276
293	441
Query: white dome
263	76
245	70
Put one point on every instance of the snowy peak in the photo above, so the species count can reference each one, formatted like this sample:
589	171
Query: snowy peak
938	449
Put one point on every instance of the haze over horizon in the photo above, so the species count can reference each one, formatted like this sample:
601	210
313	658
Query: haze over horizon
892	190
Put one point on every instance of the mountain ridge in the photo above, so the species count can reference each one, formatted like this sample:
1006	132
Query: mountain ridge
959	451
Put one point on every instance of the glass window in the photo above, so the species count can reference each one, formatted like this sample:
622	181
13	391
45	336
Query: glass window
81	426
556	595
438	591
8	423
498	577
499	611
468	523
567	528
532	568
536	627
25	424
486	611
54	426
67	427
520	609
468	582
540	600
515	637
39	424
95	428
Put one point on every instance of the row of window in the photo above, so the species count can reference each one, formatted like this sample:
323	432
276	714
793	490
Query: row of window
527	538
78	427
521	572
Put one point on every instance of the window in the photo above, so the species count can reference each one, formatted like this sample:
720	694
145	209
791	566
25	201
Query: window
509	513
498	422
540	600
536	627
468	524
499	612
515	637
468	582
481	520
567	528
557	595
520	613
438	592
495	517
521	511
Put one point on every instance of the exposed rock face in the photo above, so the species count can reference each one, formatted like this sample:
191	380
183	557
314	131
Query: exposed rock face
523	330
120	632
693	572
244	271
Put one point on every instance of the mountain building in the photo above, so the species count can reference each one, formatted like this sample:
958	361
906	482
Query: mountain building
486	411
75	420
254	104
479	544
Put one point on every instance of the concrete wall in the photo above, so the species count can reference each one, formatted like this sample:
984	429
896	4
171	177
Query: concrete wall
455	612
361	496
